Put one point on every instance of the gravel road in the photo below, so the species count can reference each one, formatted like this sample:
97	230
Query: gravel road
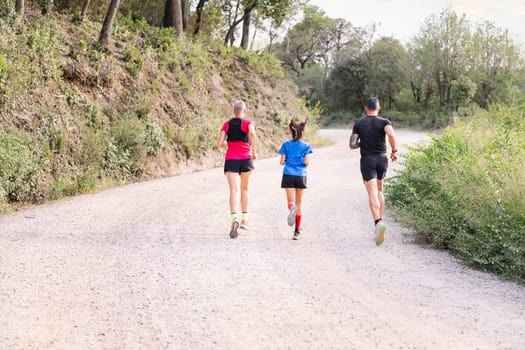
151	266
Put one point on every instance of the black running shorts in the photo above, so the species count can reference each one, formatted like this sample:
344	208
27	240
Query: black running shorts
292	181
374	166
238	166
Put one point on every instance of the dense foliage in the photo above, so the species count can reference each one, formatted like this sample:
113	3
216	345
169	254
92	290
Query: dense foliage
75	117
465	191
449	67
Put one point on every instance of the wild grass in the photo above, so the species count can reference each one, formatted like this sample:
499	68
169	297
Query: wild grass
75	117
465	191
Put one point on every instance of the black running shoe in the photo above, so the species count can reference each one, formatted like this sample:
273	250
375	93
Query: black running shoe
297	235
233	232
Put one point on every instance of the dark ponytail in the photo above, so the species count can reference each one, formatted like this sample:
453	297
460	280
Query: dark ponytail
297	129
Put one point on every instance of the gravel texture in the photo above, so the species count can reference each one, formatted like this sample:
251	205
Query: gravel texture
151	266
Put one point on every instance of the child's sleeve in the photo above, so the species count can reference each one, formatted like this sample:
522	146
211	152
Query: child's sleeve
282	150
309	150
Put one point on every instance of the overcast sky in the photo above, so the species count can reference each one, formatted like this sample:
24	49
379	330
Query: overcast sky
402	19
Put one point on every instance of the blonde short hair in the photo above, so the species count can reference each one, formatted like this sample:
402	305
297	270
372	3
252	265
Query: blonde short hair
239	106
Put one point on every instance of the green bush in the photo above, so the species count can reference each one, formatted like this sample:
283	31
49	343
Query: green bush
465	191
86	182
134	61
7	9
61	187
3	199
154	138
23	164
82	115
94	145
116	163
130	139
5	89
401	119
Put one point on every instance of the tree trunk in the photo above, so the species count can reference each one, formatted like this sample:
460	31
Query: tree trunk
252	42
173	16
246	30
416	92
47	6
273	34
229	39
178	18
440	89
198	21
185	4
233	23
105	33
83	13
19	7
169	19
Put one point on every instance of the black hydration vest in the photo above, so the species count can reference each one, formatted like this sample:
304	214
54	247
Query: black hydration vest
235	132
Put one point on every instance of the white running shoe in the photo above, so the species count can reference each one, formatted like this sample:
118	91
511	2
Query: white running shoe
379	232
291	215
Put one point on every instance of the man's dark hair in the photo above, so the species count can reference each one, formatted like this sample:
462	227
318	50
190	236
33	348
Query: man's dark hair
372	103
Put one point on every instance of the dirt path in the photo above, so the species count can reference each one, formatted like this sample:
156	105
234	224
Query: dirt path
150	266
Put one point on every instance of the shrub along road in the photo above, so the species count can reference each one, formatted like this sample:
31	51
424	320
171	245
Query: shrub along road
151	266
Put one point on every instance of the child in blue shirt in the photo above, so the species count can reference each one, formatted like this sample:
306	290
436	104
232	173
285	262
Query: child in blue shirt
295	158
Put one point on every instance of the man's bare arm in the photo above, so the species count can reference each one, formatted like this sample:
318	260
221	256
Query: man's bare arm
389	130
354	141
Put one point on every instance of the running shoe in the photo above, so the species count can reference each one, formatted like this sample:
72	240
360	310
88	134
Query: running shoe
233	231
291	215
244	225
379	232
296	235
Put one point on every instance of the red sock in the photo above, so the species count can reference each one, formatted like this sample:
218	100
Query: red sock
298	222
290	205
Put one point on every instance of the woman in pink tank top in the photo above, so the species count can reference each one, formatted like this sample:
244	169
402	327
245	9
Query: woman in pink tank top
240	137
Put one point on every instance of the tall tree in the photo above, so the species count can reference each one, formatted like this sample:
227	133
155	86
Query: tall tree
441	47
495	63
233	22
307	41
185	4
173	16
246	29
386	71
266	9
19	8
107	26
199	13
47	6
346	85
420	80
85	6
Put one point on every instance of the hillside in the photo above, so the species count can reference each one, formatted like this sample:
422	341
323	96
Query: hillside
76	117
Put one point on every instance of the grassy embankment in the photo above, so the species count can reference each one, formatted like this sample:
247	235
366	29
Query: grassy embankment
75	118
465	191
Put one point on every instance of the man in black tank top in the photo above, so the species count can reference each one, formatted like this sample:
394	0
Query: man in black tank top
369	135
